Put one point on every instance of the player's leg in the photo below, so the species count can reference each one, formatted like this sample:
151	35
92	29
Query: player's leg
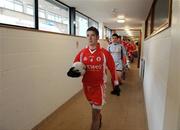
98	102
119	75
95	95
96	119
119	68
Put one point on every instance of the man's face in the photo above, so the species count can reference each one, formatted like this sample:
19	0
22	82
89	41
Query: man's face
92	38
114	39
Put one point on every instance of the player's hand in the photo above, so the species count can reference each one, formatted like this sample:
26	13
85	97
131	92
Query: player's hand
128	64
73	73
116	91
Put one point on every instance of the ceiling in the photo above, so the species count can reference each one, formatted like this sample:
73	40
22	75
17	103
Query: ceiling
125	32
106	11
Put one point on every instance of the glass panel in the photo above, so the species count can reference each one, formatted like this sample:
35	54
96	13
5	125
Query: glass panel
53	16
18	6
81	24
15	12
161	14
93	23
148	26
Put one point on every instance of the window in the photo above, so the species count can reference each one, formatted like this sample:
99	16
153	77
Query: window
161	12
29	9
53	16
148	25
159	17
8	4
42	13
81	24
93	23
14	12
107	32
18	6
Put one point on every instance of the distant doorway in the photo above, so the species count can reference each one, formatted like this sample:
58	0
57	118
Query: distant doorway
133	36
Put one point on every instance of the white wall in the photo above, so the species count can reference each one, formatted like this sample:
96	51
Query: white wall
171	121
162	76
33	81
0	74
103	43
156	55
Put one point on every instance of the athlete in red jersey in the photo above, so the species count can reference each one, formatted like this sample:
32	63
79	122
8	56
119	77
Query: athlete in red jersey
96	59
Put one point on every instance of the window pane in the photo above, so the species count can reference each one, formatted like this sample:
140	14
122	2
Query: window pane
18	6
93	23
107	32
81	24
51	15
1	3
161	14
9	4
14	12
41	13
148	24
29	10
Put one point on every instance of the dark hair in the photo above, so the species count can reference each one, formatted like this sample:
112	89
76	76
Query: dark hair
115	35
119	36
94	30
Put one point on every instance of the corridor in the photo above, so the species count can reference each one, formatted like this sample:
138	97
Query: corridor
126	112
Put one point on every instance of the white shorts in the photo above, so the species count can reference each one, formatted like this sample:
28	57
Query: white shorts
119	66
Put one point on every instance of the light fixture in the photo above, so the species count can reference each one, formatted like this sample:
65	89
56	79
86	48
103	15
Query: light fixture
121	20
121	17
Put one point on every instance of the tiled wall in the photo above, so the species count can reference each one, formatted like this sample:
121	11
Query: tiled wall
33	81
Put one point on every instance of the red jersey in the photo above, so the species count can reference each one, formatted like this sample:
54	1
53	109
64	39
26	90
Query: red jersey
96	62
125	44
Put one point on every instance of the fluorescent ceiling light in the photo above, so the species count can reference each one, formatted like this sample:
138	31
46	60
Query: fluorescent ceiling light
121	17
121	21
127	28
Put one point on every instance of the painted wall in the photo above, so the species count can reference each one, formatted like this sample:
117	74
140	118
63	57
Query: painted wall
156	55
33	81
162	76
172	115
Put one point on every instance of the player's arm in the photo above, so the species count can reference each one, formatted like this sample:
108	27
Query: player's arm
111	66
78	57
125	55
72	72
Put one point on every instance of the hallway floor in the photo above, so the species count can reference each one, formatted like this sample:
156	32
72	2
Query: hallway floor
126	112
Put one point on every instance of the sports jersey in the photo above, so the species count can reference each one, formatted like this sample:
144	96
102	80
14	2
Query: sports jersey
95	76
96	62
117	51
130	48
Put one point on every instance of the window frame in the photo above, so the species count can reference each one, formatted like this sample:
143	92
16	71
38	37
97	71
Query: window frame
106	29
93	21
163	26
88	18
84	16
36	20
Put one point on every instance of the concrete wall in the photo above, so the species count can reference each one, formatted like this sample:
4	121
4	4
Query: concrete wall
33	81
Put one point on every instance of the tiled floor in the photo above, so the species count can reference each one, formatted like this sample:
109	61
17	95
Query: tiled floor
126	112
